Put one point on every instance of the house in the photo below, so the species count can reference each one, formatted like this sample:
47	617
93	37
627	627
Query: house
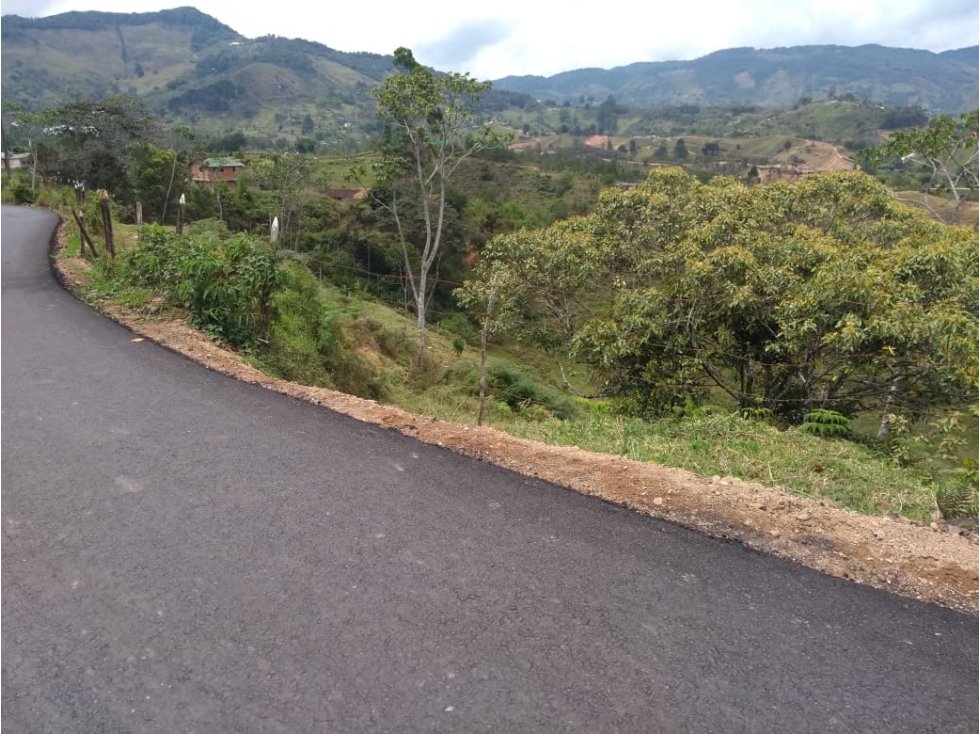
18	160
217	169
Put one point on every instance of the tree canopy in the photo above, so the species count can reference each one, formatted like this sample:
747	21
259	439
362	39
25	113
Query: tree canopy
822	293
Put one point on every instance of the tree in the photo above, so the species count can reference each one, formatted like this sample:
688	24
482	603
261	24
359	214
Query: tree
92	138
308	125
287	177
825	293
947	149
30	128
680	149
430	131
607	117
546	280
155	174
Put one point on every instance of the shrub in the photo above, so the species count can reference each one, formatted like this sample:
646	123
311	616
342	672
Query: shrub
459	325
23	194
959	497
226	286
518	389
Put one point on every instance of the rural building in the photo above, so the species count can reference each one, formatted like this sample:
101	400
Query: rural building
18	160
217	169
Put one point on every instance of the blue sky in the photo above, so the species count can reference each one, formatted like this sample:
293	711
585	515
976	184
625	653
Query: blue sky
492	40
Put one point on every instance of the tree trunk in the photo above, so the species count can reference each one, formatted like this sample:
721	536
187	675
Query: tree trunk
482	351
885	420
420	307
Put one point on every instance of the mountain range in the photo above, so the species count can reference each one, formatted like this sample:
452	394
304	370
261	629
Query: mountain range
189	67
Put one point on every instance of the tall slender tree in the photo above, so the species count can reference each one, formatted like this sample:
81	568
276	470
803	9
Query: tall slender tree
429	123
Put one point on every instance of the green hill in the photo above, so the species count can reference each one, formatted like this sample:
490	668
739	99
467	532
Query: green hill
191	69
946	82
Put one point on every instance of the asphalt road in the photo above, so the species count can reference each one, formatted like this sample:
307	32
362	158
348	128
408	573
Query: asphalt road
186	553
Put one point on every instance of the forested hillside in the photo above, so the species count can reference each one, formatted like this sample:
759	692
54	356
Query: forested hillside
898	77
190	68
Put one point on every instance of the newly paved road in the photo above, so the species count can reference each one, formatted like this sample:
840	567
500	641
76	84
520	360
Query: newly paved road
185	553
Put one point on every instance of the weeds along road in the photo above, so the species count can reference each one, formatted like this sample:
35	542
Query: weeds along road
186	553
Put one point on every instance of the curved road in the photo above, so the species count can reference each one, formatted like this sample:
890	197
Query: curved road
186	553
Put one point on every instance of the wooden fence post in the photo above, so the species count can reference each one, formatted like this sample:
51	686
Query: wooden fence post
139	220
110	247
83	233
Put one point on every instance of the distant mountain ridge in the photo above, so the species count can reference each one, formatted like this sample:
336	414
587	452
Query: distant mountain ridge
942	82
189	67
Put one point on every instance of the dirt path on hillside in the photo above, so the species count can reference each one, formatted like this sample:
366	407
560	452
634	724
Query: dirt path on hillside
822	156
935	564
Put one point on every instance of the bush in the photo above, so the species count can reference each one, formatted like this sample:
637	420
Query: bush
226	286
463	373
826	423
459	325
302	340
959	498
23	194
518	389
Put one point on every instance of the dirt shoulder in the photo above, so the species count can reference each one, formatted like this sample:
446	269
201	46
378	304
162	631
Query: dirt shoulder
935	564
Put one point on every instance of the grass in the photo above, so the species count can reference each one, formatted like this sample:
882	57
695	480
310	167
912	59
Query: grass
844	473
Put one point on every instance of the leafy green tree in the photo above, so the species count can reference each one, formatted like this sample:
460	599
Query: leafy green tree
92	139
947	149
155	174
29	128
287	177
680	149
825	293
608	116
546	281
429	120
308	125
305	145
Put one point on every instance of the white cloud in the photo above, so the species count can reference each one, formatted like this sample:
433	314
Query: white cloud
28	8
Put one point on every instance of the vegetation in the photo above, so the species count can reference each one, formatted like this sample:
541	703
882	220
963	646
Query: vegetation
947	150
813	334
429	133
225	283
821	294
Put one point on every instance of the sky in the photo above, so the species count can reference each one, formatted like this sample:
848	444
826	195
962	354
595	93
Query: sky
517	37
